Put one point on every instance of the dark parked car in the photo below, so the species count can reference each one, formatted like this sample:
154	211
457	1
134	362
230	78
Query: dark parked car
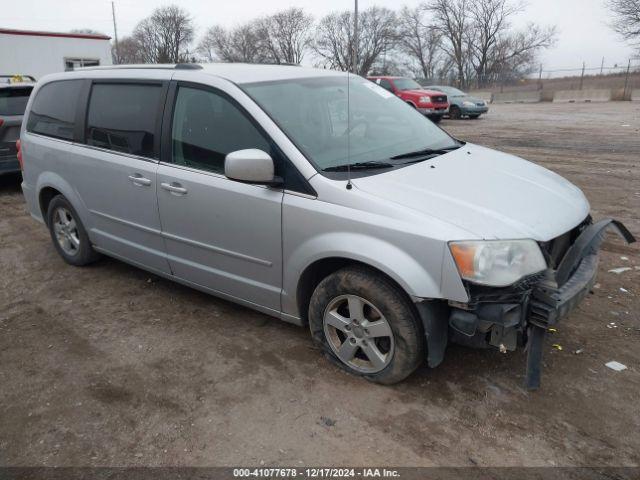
461	103
14	94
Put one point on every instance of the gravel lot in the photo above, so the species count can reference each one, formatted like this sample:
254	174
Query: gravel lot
108	365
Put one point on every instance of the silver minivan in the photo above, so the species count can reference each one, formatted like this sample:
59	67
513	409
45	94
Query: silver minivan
313	196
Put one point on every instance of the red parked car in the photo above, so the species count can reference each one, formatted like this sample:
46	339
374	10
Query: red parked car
431	103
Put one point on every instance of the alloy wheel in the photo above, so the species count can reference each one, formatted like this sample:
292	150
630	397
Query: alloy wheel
358	334
66	231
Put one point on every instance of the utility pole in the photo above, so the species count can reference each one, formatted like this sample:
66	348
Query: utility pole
626	81
582	75
540	78
115	31
355	40
602	66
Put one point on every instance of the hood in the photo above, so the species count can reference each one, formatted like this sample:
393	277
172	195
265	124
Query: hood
469	98
414	92
490	194
422	92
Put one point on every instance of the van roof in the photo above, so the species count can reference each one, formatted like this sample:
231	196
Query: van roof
17	85
235	72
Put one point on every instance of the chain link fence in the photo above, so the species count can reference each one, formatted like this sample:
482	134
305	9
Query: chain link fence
618	81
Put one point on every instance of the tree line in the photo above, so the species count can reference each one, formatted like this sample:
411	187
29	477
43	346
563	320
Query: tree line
463	42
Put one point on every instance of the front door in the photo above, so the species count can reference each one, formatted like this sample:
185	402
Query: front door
220	234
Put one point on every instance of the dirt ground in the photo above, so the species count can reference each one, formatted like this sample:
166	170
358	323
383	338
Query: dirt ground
108	365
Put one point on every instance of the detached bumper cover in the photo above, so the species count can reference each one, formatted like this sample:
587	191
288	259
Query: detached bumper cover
551	300
574	277
550	304
520	315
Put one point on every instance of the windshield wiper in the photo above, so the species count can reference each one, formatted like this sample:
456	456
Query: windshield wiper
358	166
425	152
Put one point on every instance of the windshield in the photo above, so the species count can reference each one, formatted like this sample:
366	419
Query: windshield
406	84
13	101
332	128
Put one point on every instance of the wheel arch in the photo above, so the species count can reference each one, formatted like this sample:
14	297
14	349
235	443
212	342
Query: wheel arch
51	184
322	268
414	281
45	196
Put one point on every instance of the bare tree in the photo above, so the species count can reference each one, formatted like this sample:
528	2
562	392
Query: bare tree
515	53
164	37
419	40
626	19
490	23
286	35
208	45
497	50
129	51
478	38
279	38
335	38
239	44
452	18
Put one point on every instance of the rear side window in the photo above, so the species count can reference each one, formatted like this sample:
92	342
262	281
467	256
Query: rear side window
122	117
13	101
54	109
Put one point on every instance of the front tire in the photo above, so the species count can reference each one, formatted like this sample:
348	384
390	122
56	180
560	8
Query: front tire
366	324
436	119
68	234
455	113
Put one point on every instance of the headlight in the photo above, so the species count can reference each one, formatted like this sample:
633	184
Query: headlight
497	263
466	103
425	100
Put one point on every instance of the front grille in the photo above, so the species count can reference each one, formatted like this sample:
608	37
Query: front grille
439	99
554	250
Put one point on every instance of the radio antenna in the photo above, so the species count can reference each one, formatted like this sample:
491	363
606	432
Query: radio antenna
349	186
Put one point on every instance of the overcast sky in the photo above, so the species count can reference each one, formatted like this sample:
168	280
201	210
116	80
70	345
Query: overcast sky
583	33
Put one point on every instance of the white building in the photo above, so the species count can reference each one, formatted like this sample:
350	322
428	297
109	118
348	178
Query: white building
39	53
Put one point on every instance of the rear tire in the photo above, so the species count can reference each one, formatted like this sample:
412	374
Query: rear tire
365	324
474	117
455	112
68	234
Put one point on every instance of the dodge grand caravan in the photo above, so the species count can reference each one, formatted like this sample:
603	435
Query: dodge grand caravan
313	196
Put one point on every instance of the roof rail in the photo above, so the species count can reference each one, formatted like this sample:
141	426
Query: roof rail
188	66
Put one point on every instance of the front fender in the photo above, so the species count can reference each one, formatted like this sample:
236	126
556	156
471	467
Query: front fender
377	253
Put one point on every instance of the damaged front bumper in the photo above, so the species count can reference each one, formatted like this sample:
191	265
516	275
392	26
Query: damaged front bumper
521	314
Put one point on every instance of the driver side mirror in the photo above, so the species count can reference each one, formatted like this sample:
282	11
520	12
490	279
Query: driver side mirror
251	166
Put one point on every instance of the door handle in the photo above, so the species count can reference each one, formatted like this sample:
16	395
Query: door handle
138	179
175	189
